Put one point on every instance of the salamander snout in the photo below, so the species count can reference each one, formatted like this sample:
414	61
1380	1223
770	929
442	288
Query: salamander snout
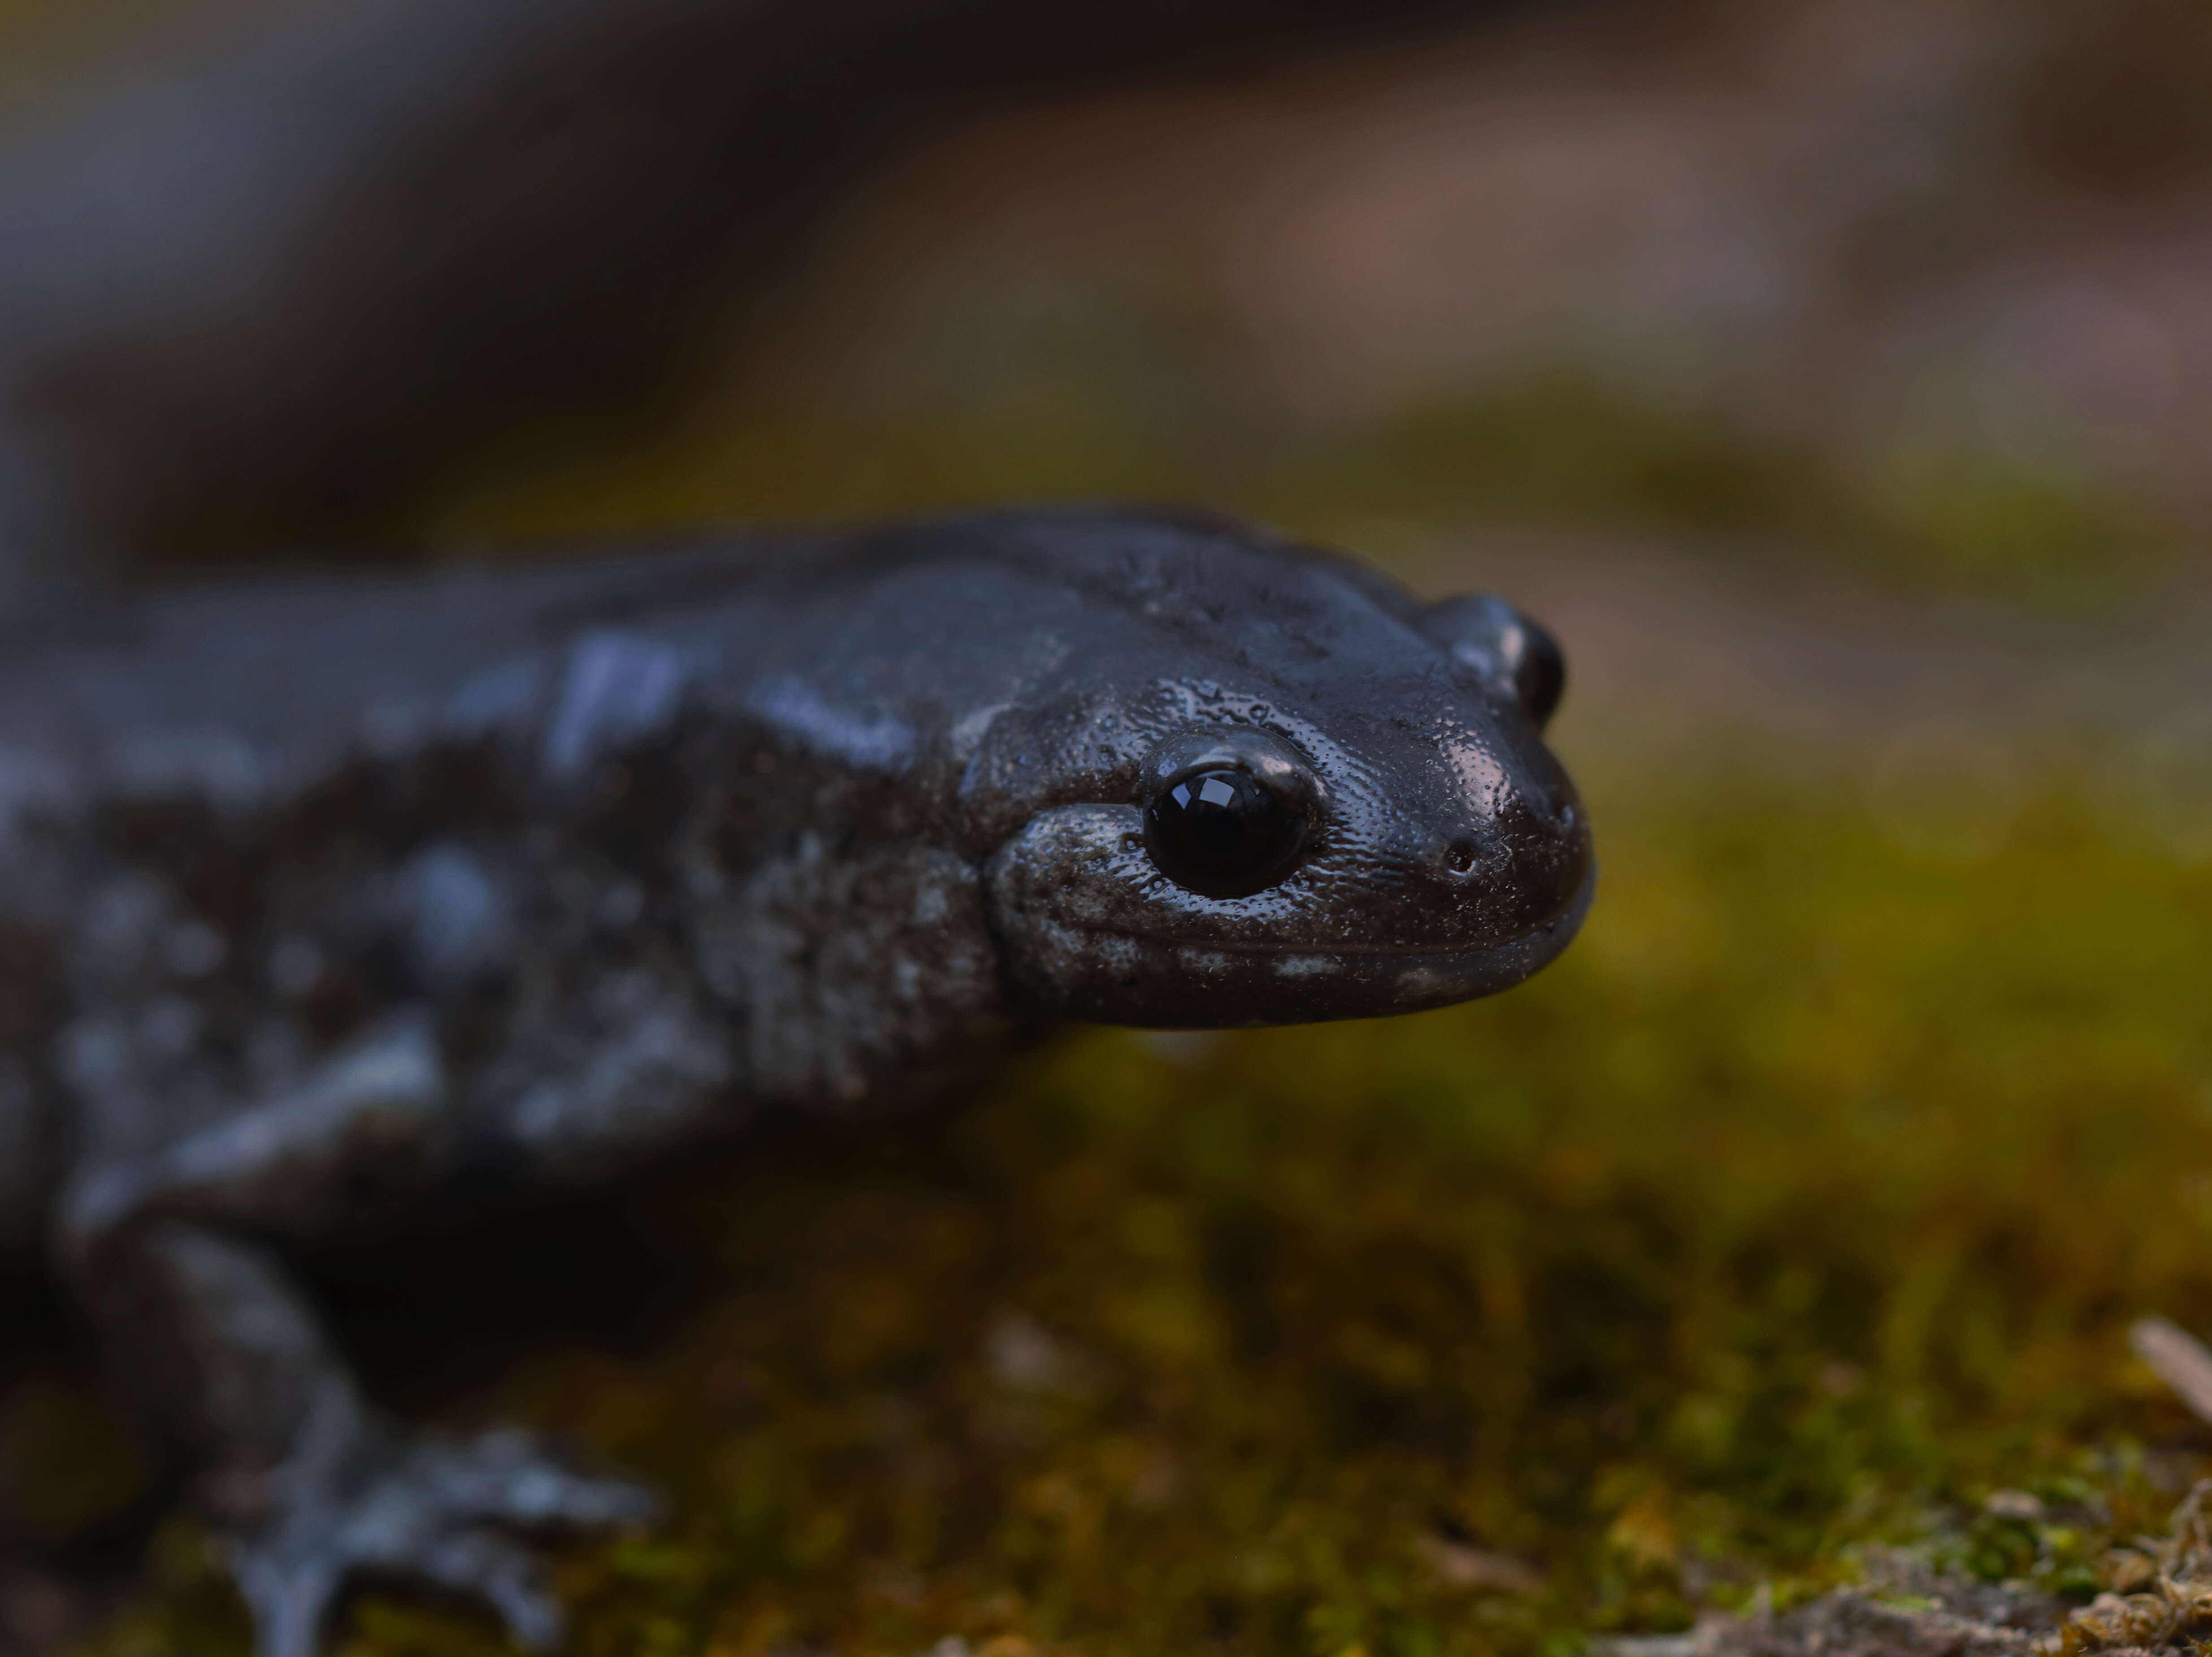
1531	868
1481	872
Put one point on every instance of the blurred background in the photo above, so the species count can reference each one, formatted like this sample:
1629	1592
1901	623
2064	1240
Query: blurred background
1836	381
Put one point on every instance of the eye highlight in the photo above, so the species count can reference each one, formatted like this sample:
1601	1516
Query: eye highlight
1227	811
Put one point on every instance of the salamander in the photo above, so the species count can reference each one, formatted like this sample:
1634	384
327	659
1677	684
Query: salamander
332	907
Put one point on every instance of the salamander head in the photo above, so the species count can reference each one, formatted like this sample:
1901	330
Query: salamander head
1274	789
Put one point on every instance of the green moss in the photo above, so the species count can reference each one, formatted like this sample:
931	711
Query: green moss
1979	523
1562	444
66	1465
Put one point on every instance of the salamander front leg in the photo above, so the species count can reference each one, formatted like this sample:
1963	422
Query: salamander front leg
309	1487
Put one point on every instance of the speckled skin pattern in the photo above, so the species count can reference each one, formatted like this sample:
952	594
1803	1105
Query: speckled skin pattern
328	907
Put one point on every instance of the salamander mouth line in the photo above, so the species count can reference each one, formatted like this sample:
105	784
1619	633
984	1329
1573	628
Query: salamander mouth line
1283	951
1562	925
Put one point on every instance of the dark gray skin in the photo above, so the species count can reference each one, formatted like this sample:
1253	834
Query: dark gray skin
329	907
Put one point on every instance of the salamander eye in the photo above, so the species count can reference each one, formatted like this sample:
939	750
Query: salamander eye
1540	673
1227	810
1492	639
1222	833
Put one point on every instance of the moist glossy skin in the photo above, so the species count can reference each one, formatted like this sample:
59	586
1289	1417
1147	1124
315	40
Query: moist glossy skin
328	907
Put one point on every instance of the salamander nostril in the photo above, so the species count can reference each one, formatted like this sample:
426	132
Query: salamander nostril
1461	857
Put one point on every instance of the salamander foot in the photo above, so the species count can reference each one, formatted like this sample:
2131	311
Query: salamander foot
423	1513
